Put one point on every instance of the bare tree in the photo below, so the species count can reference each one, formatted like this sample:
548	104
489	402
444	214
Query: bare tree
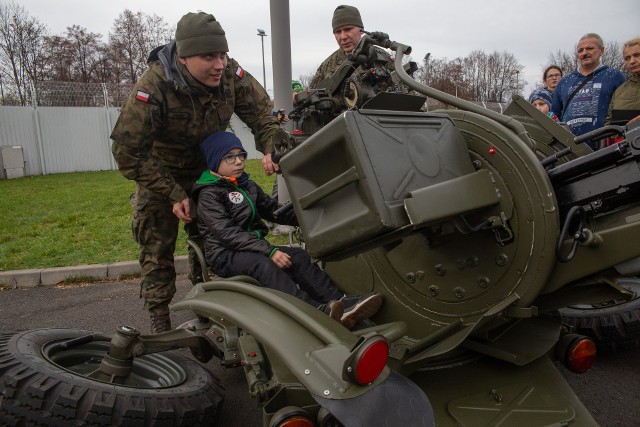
85	48
133	36
567	61
612	55
477	77
127	44
443	75
59	60
157	33
21	52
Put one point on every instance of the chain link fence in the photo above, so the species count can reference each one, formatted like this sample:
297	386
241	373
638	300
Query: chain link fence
72	94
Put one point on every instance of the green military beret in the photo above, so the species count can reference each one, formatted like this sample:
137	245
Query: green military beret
199	33
346	15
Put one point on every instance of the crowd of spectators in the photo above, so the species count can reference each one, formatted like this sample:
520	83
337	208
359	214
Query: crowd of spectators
594	94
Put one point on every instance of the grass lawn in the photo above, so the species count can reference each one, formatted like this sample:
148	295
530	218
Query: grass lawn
76	218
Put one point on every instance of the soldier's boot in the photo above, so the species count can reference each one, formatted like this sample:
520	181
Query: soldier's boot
160	323
160	320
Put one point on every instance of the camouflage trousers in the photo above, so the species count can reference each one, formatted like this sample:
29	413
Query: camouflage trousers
155	229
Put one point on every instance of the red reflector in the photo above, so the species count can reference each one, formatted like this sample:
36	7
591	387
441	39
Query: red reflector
492	151
297	132
371	362
297	421
581	355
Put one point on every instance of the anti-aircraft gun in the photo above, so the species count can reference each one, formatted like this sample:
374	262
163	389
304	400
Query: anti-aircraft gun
367	71
475	226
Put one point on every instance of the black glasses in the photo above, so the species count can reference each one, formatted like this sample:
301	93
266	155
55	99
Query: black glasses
552	76
231	158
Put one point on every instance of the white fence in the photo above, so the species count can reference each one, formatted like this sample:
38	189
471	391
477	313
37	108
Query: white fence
72	139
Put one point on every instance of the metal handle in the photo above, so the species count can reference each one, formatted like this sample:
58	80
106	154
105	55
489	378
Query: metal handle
578	235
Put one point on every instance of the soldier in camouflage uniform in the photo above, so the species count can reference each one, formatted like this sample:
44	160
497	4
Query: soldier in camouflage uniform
347	26
188	92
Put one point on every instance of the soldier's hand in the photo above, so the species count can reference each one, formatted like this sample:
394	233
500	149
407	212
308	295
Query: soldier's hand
281	259
182	210
268	165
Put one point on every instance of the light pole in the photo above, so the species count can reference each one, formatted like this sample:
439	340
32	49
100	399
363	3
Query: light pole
262	35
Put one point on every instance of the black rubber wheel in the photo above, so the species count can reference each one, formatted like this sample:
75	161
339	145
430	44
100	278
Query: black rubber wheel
614	325
42	384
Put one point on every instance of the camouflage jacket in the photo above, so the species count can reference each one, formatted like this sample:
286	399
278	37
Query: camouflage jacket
328	67
169	113
626	97
335	60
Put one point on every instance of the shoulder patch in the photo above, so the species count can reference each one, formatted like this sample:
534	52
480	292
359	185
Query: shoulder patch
239	72
142	96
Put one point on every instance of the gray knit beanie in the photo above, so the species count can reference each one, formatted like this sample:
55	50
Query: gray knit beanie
199	33
346	15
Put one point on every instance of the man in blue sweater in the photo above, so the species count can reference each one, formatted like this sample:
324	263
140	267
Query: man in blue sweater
582	98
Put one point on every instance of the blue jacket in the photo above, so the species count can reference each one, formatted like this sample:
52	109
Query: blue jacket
588	108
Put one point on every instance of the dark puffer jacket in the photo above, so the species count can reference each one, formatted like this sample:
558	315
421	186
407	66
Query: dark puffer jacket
231	217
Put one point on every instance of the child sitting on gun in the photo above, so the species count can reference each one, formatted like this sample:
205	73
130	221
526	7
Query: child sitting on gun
231	208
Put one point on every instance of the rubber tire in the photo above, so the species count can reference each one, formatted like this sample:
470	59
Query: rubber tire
614	325
35	391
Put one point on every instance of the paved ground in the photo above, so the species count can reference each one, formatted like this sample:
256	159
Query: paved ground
610	390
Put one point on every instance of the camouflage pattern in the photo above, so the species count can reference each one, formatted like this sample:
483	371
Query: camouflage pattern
334	61
328	67
155	228
155	143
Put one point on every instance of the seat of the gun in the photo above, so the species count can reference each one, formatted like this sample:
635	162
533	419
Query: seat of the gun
210	276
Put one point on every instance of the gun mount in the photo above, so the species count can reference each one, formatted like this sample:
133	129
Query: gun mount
367	72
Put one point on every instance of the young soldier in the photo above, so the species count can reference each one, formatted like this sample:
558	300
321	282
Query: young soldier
190	90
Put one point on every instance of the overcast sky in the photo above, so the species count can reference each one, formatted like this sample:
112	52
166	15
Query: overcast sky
529	29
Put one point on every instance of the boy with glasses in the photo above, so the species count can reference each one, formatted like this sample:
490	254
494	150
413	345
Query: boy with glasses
231	208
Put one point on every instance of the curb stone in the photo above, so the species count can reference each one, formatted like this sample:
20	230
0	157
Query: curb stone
53	276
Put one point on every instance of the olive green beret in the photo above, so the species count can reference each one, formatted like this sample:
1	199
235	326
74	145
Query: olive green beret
199	33
346	15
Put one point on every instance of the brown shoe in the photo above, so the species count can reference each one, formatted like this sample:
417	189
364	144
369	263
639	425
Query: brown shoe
160	323
359	307
333	309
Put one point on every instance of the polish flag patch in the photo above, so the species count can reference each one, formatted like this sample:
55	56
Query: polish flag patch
142	96
240	72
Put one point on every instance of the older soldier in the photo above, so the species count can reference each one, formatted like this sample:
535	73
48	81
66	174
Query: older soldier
347	29
190	90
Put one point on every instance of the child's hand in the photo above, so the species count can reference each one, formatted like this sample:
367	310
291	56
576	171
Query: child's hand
281	259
